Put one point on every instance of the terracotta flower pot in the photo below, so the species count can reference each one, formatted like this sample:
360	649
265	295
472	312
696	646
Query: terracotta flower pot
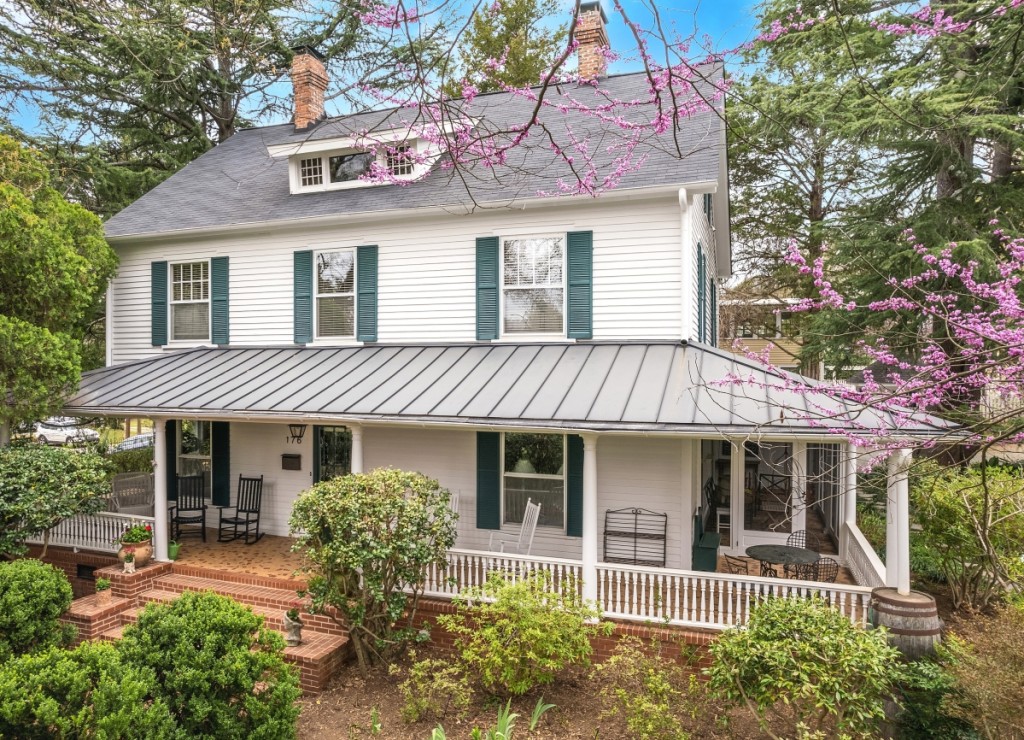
143	552
103	597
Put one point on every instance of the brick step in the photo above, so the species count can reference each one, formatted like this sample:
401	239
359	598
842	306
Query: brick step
318	658
277	600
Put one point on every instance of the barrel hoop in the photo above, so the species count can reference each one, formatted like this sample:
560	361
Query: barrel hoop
932	632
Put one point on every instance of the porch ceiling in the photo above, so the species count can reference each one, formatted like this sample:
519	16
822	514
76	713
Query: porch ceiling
667	387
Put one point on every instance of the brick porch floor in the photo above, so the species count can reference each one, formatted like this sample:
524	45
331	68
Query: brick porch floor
271	557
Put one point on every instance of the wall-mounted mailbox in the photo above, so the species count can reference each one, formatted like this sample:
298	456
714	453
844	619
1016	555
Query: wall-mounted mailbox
291	462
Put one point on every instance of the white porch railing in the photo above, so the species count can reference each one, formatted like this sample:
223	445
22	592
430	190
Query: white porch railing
862	560
660	595
97	532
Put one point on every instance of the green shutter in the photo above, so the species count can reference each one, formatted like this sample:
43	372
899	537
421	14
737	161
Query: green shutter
220	462
574	486
317	433
303	297
158	299
219	299
488	480
171	474
487	288
701	299
714	313
366	290
580	248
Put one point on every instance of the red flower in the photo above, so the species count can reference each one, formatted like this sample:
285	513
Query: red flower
149	528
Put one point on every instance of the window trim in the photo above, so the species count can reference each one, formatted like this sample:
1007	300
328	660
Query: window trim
171	303
533	335
336	338
564	477
380	157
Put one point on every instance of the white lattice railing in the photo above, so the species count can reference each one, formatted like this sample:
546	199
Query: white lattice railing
98	532
862	560
471	567
663	595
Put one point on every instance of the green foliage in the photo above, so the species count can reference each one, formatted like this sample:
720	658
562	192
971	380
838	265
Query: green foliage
986	662
54	269
516	636
132	461
220	672
925	689
33	596
504	728
40	486
103	584
973	523
806	664
645	691
527	34
88	692
433	688
368	537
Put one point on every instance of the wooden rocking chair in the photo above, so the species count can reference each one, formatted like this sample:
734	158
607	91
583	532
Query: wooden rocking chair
247	513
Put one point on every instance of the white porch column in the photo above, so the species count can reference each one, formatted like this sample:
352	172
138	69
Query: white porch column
737	495
849	518
589	554
799	496
160	533
357	447
897	534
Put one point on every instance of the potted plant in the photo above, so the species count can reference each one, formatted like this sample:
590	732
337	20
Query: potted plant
129	561
172	550
138	540
103	590
293	627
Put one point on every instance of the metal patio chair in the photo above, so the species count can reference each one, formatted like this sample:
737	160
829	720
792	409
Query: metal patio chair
808	541
190	507
826	570
247	513
736	566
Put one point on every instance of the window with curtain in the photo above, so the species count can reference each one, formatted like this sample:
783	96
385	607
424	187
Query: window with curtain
190	301
533	285
335	293
534	468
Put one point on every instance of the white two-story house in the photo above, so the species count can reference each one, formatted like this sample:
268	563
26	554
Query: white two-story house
277	314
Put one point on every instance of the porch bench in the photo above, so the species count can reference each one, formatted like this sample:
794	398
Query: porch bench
705	546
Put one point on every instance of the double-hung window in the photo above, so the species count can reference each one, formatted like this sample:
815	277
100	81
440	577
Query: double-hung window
335	294
534	469
190	301
533	285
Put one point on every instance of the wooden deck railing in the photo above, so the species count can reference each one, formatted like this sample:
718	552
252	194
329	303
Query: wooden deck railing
95	532
862	560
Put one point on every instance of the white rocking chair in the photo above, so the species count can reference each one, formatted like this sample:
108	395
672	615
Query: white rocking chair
519	544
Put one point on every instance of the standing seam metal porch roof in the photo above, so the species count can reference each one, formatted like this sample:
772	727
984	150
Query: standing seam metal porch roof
598	386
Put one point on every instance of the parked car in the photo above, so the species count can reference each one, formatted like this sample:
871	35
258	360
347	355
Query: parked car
138	442
63	430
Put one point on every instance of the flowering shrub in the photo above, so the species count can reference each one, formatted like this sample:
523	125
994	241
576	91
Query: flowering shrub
137	533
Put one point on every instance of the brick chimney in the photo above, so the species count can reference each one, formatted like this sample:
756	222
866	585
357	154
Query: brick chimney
592	37
309	83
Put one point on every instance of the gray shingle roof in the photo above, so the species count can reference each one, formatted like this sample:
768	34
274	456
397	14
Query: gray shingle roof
599	386
238	183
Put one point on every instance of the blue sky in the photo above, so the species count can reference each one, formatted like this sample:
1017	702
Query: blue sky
728	23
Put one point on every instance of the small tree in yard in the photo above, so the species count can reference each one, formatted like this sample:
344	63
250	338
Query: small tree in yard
40	486
804	664
370	537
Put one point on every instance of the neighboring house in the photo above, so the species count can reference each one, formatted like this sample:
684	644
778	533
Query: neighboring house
756	325
270	304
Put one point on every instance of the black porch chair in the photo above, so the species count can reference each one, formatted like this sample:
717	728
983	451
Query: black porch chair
247	513
808	541
190	507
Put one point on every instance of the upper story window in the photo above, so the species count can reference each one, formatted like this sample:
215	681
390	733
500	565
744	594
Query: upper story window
709	208
349	168
335	294
533	285
534	469
190	301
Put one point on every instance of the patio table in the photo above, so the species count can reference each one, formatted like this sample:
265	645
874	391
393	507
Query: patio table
770	555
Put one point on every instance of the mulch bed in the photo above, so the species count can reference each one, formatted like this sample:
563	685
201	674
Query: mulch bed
346	710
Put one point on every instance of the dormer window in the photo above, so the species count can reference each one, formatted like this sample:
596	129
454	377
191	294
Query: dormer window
311	172
334	170
400	161
349	167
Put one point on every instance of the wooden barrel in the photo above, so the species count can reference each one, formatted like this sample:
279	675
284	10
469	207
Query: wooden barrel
912	620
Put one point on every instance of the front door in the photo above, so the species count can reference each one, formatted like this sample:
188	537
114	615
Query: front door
332	452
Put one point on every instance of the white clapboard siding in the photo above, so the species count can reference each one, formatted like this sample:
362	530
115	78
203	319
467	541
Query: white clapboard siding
645	472
427	287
